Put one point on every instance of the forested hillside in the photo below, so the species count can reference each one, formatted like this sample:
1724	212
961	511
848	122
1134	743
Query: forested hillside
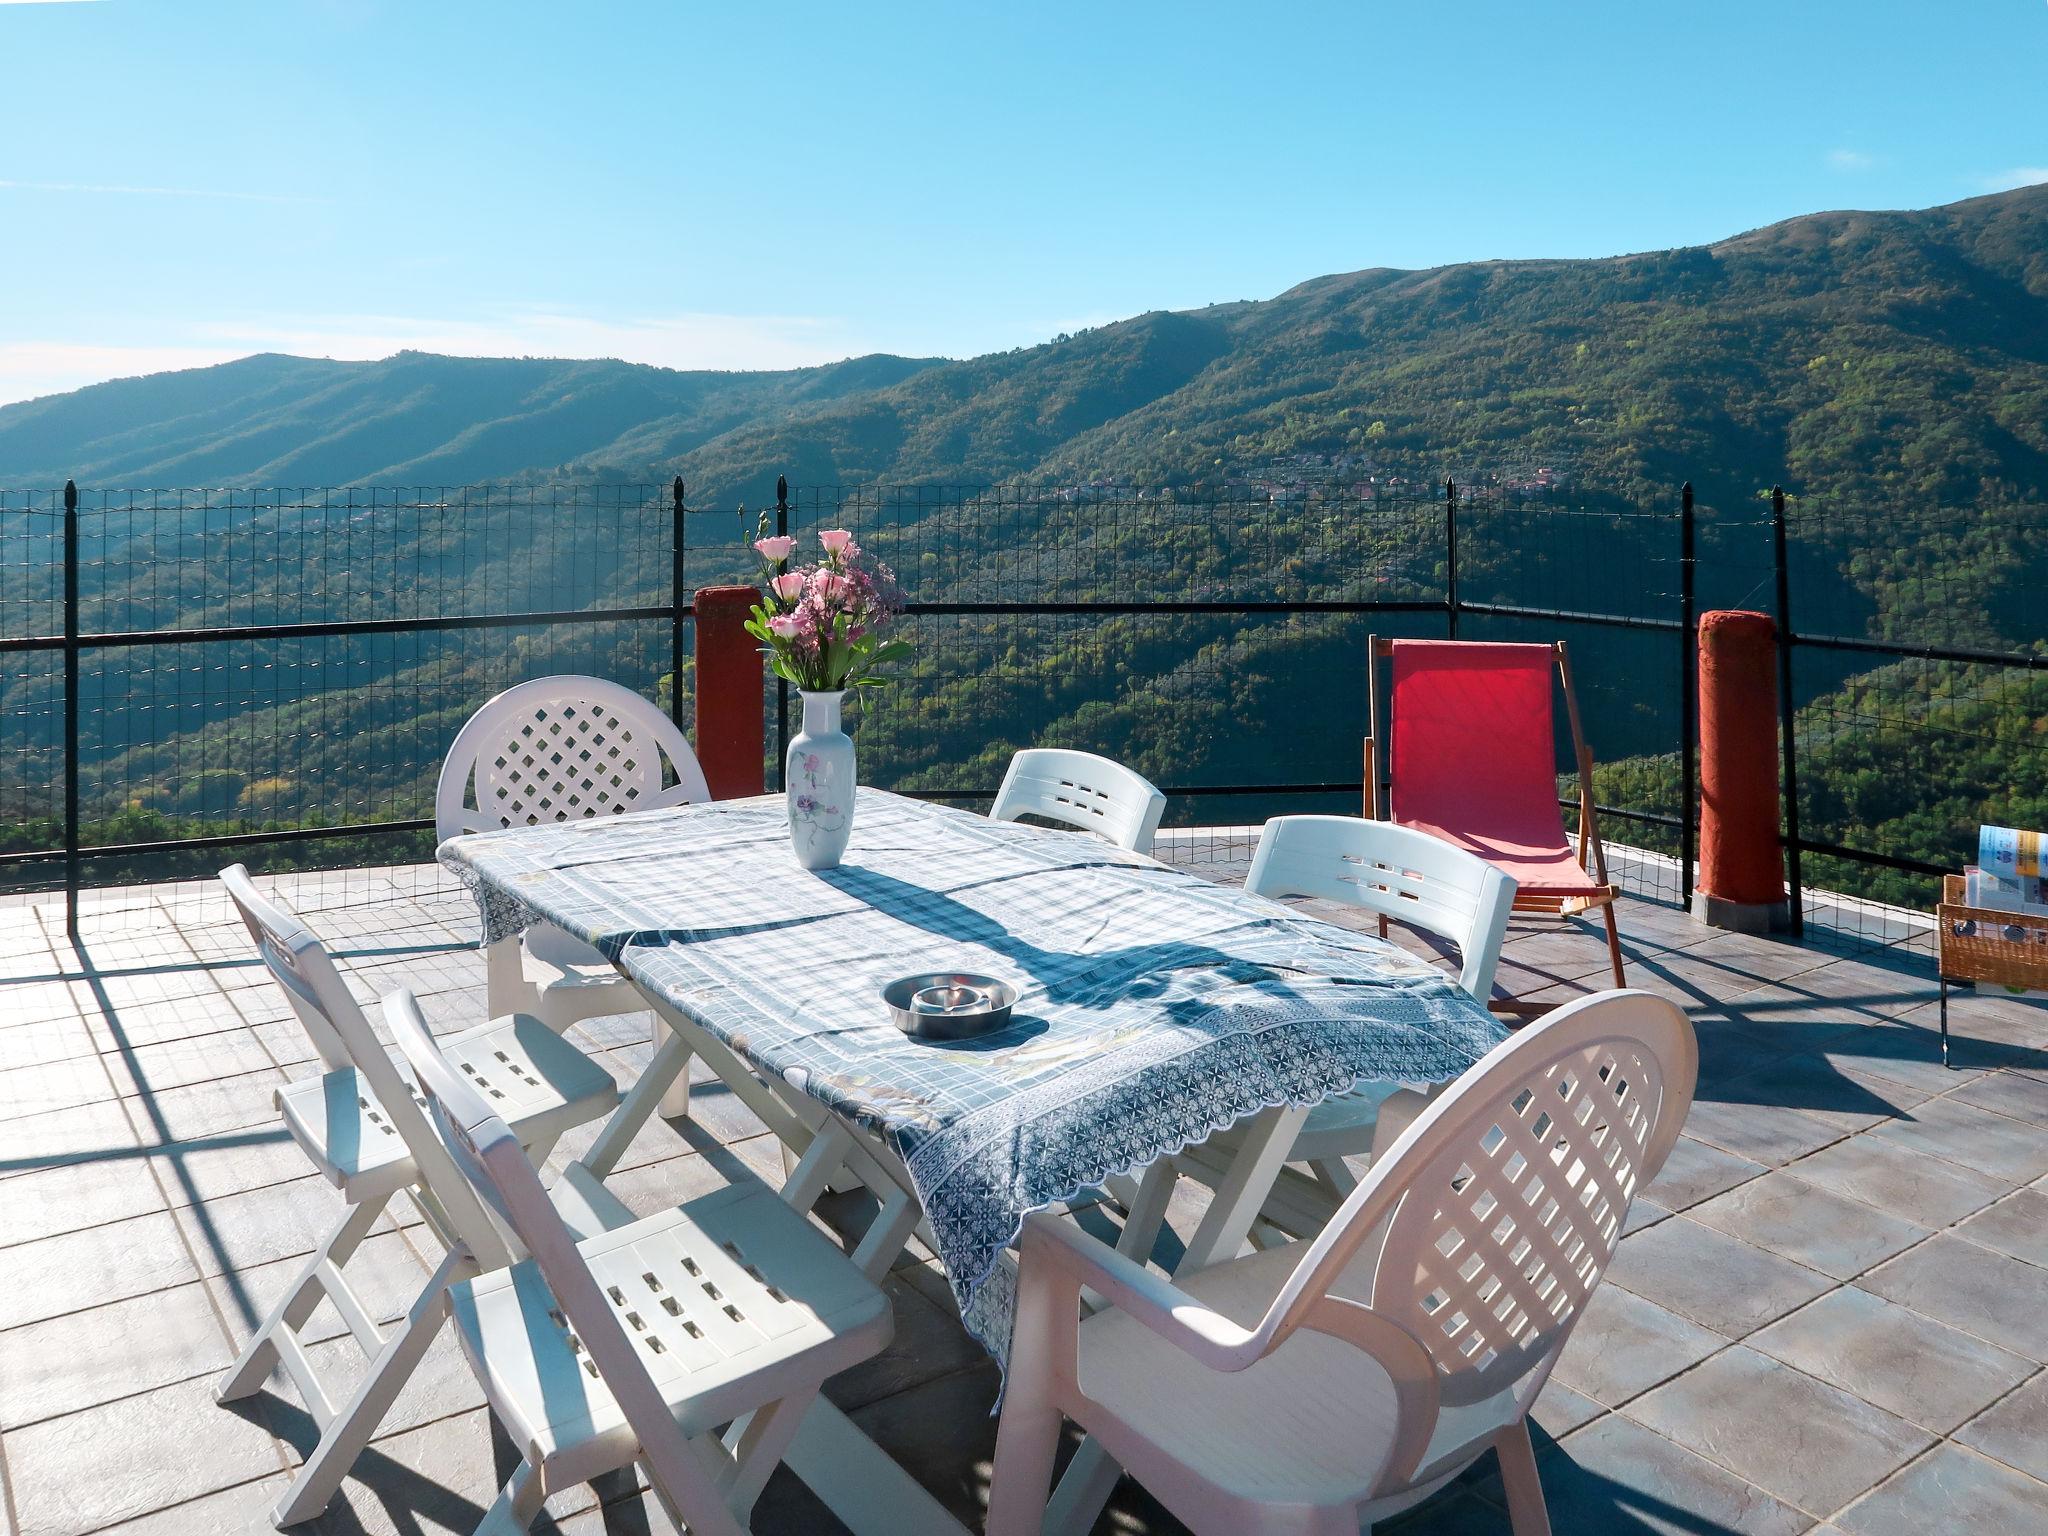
1891	369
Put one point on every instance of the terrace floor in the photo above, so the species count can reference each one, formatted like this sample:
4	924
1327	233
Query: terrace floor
1831	1313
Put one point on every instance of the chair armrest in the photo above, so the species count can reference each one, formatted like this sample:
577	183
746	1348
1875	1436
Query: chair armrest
1151	1298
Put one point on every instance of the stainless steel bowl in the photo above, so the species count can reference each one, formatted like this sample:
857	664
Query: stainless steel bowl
949	1005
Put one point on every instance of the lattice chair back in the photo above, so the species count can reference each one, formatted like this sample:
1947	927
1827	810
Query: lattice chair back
1502	1204
563	749
1396	871
1081	790
300	964
495	1165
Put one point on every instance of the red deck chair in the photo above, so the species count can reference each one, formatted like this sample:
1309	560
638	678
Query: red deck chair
1473	760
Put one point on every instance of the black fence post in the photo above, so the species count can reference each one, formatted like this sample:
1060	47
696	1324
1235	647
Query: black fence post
1451	553
781	683
1788	740
1688	706
71	860
677	579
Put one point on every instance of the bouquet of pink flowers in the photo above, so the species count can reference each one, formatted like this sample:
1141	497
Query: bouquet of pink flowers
821	625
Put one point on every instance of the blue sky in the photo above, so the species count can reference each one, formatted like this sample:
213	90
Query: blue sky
741	185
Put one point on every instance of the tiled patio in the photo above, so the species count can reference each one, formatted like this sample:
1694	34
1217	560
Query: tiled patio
1832	1313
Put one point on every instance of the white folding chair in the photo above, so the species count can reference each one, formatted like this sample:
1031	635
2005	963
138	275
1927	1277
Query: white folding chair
552	750
1081	790
362	1123
640	1343
1324	1386
1399	873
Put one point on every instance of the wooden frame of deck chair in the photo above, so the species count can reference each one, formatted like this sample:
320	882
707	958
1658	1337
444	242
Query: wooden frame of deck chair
1473	781
364	1125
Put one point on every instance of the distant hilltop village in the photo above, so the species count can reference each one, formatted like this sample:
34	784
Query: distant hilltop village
1313	477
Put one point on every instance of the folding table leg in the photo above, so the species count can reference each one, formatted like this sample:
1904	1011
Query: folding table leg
252	1367
344	1437
675	1103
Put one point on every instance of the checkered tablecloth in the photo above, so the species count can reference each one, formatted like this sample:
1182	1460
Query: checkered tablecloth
1154	1007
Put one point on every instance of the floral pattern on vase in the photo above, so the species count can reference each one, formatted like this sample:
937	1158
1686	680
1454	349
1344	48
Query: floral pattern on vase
819	773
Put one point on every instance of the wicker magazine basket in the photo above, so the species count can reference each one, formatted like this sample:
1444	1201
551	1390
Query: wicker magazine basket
1984	944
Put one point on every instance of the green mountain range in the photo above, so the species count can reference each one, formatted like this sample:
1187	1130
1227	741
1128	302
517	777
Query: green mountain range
1903	353
1891	369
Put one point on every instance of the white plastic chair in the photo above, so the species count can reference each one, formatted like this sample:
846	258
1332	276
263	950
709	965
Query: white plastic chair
639	1343
361	1122
552	750
1081	790
1398	873
1324	1386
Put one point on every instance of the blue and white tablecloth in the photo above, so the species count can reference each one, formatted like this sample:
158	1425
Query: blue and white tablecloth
1154	1007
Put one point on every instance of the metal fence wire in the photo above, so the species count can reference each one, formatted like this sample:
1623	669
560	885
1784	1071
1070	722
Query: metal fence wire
195	676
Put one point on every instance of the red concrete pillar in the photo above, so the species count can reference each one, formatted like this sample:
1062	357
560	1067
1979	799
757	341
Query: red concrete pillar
1742	873
730	730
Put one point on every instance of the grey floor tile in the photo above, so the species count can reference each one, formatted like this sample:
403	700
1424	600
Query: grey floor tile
81	1359
245	1507
2014	1430
215	1167
199	1111
85	1470
181	1063
2009	1093
1616	1478
1813	1085
1796	1437
929	1343
1764	1133
70	1199
86	1133
1950	1279
1715	1280
1904	1053
1895	1178
1973	1138
259	1226
86	1269
40	1042
1696	1171
1814	1226
1894	1358
1950	1489
1625	1345
2016	1225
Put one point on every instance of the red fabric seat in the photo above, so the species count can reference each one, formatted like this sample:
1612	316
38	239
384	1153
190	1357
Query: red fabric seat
1474	759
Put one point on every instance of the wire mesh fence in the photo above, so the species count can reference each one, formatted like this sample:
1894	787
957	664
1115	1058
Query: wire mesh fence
1919	680
274	675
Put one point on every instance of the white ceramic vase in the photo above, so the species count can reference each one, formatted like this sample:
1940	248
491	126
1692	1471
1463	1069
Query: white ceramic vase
819	773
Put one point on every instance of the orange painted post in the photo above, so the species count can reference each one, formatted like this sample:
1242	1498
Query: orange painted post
1742	873
731	744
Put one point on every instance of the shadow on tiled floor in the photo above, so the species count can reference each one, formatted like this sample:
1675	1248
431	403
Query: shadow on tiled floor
1830	1314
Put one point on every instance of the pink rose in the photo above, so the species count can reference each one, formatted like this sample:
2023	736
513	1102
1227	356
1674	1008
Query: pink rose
777	549
783	627
789	586
835	540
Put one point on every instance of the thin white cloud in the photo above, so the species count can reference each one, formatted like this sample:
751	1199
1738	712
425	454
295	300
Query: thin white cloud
32	368
1850	160
2018	176
688	340
102	189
